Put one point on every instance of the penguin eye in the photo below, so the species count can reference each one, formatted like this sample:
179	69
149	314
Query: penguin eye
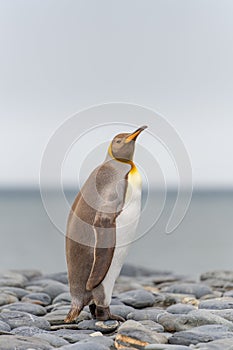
118	141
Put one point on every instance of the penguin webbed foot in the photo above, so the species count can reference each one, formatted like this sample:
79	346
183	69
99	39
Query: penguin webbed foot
104	314
72	314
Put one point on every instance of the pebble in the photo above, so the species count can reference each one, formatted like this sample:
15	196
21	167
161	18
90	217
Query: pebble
153	326
63	298
57	317
4	327
26	331
196	289
9	342
52	339
180	308
217	303
29	273
25	307
17	319
102	326
137	298
6	298
107	341
221	344
133	333
59	277
85	346
218	275
12	279
18	292
202	334
73	336
121	310
166	347
50	287
146	314
42	299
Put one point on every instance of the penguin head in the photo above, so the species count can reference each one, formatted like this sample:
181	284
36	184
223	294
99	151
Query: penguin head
122	145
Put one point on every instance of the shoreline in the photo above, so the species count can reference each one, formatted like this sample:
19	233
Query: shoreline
162	310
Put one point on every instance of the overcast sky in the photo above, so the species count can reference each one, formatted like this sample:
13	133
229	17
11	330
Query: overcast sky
61	56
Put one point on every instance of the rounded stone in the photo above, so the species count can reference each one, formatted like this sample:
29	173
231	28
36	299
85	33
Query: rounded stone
26	331
138	298
50	287
85	346
146	314
6	298
9	342
196	289
180	308
26	307
12	279
18	292
42	299
102	326
52	339
17	319
63	298
4	327
217	303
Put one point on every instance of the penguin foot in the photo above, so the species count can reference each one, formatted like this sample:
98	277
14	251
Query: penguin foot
104	314
92	308
72	314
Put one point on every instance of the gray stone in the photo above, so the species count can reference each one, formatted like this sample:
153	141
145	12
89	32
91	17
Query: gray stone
28	273
166	347
18	292
227	313
52	339
121	310
73	336
107	341
196	289
85	346
221	344
146	314
176	323
137	298
218	275
133	333
102	326
26	331
10	342
202	334
42	299
26	307
58	276
4	327
63	298
57	317
18	319
180	308
134	271
175	298
50	287
6	298
153	326
12	279
217	303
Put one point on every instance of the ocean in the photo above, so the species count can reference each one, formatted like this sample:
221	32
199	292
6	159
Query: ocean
203	240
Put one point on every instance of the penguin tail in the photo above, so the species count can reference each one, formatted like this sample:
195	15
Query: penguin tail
72	314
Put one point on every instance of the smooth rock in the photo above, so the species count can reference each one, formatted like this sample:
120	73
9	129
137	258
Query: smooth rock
174	298
221	344
217	303
4	327
176	323
196	289
26	307
17	319
227	313
134	271
223	275
121	310
58	276
146	314
7	299
18	292
132	333
180	308
166	347
63	298
153	326
28	273
137	298
102	326
107	341
85	346
10	342
202	334
50	287
52	339
42	299
73	336
26	331
12	279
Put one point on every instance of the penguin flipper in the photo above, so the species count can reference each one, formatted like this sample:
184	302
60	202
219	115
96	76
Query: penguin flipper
105	234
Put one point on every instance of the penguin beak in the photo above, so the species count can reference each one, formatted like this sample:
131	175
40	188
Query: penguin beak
134	135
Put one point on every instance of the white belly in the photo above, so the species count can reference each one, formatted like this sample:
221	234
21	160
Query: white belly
126	225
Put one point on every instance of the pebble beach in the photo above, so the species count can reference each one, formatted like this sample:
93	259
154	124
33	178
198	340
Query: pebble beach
162	310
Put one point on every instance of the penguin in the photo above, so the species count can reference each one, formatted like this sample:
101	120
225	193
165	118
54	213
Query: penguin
101	224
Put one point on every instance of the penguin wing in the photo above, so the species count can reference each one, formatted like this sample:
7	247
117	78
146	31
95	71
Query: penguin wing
105	235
